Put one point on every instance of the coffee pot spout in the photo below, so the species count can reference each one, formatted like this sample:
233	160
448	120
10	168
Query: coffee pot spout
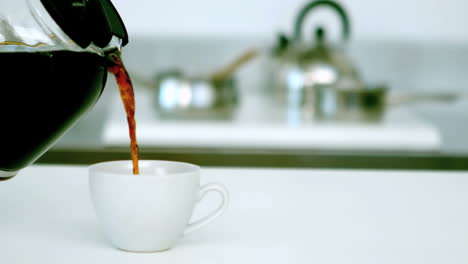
6	175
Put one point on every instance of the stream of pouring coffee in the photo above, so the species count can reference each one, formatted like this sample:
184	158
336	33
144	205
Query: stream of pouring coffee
127	95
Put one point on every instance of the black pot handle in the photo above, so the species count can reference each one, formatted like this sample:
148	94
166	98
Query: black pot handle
345	22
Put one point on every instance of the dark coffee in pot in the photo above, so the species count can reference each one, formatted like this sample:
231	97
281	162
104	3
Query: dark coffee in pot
42	94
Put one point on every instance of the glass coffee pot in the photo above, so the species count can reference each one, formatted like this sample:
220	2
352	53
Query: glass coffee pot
53	69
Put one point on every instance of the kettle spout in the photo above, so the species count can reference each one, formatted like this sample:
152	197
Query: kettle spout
7	175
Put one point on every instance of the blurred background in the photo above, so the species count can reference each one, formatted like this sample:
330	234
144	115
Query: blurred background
323	84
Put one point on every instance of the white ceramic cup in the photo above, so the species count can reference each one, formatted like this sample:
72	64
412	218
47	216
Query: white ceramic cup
149	212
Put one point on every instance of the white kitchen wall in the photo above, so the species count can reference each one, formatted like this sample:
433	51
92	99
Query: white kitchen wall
439	20
420	20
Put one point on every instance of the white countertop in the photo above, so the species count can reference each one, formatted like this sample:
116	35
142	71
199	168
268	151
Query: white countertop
259	124
275	216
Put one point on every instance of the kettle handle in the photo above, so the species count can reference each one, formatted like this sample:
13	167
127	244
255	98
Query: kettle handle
345	21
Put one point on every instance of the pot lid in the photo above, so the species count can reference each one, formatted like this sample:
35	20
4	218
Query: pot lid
88	21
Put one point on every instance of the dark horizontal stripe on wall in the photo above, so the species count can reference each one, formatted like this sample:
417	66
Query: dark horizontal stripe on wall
270	158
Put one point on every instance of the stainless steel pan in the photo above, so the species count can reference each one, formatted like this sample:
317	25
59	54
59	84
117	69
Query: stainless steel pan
369	104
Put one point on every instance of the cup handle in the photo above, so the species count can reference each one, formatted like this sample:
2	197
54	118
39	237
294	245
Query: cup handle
212	187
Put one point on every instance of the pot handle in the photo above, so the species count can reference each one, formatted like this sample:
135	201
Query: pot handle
345	21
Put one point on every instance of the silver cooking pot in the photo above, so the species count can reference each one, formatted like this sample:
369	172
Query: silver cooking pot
178	96
215	95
